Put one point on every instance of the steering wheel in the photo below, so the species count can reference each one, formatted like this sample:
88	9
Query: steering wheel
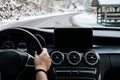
13	61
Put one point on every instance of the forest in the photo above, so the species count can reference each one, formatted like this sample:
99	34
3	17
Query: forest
13	9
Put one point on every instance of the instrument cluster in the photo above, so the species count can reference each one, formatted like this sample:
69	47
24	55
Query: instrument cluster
18	43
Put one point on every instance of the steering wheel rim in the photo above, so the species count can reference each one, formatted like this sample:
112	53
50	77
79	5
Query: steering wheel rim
16	31
27	57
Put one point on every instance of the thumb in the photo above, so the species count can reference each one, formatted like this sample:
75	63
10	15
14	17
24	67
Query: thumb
36	55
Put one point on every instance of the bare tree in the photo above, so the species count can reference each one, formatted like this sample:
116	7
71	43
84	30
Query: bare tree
16	8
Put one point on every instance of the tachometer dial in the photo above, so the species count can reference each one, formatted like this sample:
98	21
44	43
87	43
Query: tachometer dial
32	48
7	44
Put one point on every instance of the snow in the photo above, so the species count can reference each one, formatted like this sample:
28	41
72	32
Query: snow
14	9
23	20
86	20
90	20
36	17
25	10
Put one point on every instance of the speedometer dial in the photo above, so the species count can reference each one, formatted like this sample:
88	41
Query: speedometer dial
7	44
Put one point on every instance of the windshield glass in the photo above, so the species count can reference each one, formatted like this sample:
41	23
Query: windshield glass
60	13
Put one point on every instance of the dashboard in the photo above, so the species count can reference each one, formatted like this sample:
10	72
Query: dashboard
73	57
76	53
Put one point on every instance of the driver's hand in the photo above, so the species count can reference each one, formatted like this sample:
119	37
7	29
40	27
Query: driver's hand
42	61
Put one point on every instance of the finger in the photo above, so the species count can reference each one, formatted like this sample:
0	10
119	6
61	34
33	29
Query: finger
36	59
44	50
36	55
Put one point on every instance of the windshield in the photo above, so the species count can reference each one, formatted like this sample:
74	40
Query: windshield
60	13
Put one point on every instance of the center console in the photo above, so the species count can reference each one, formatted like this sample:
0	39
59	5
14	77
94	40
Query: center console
73	57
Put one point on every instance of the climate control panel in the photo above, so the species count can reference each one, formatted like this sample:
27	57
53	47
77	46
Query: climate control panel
74	65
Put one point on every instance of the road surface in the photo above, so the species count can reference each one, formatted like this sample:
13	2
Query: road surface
53	21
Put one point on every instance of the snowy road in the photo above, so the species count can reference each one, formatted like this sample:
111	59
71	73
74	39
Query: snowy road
53	21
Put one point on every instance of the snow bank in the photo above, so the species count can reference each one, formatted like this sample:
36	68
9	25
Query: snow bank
85	20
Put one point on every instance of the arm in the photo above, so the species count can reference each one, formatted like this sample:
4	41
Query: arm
41	76
42	61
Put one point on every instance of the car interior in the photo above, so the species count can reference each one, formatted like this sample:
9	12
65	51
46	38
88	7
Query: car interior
76	53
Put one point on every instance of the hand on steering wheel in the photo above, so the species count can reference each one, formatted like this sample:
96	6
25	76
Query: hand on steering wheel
42	61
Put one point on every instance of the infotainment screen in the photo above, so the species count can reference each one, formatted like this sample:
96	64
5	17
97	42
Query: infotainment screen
73	38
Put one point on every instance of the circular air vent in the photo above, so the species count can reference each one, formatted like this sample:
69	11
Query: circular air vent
91	58
74	57
57	57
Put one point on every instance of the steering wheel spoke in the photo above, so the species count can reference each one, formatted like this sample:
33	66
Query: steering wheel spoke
30	61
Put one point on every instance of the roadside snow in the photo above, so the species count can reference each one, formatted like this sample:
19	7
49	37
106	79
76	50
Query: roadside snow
85	20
